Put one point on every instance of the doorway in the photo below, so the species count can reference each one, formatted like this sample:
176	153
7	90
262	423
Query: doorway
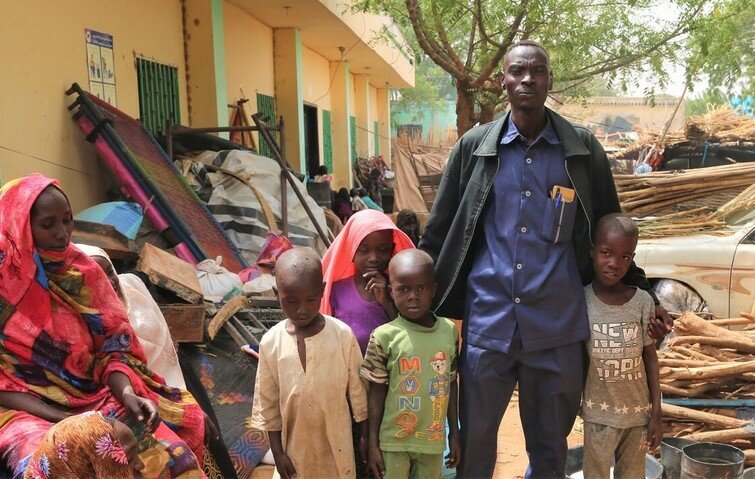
311	140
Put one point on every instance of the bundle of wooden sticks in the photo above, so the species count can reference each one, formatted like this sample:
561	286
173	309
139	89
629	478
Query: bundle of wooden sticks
712	359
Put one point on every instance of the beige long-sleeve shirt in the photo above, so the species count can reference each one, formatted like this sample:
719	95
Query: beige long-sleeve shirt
311	409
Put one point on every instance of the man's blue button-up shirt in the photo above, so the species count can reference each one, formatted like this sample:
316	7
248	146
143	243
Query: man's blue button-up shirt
521	278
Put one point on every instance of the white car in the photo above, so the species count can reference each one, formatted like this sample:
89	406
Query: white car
704	272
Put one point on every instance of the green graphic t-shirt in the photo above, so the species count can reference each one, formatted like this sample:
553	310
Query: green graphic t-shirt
419	365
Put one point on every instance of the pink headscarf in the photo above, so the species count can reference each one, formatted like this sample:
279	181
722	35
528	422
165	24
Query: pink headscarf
338	262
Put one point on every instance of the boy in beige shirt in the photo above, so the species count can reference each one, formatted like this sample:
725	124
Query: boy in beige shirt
308	379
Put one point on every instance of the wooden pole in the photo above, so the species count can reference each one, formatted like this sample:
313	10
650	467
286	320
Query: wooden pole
700	416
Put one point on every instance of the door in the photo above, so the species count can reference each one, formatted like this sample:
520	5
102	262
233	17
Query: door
311	140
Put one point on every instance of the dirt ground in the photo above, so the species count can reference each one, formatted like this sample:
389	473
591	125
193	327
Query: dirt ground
512	456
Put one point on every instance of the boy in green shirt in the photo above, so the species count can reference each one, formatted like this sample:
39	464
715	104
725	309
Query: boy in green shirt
411	365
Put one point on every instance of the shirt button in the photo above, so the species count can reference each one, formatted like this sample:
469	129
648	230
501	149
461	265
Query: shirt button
523	229
528	160
517	300
528	193
519	266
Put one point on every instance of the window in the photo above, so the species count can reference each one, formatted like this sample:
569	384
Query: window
266	105
158	94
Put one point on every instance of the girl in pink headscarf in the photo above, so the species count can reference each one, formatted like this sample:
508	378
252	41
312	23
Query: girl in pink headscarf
355	273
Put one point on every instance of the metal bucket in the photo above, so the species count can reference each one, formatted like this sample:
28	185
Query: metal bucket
749	473
671	456
707	460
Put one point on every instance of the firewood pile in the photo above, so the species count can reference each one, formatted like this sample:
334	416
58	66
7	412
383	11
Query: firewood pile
654	192
698	220
708	360
720	124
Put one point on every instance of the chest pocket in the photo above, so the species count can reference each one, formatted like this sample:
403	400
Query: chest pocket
558	221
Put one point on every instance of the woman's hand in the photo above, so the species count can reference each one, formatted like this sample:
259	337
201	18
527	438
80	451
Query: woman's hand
142	410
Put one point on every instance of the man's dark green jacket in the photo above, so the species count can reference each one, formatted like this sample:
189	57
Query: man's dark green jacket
456	220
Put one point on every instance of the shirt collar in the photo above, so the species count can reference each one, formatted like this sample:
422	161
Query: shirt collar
548	134
416	327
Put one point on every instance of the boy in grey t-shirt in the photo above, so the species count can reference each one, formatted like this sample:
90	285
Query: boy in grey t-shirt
622	402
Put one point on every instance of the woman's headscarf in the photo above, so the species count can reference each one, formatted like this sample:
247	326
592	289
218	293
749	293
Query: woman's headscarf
42	290
338	262
16	242
80	447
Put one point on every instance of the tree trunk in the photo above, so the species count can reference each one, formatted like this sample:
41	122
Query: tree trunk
465	114
487	112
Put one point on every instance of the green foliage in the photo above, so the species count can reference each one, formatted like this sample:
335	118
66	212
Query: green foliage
612	41
432	89
708	98
722	48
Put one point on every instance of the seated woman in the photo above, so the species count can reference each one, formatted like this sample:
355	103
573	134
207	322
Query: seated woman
145	317
67	346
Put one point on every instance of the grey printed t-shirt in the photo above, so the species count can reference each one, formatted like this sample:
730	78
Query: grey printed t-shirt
616	393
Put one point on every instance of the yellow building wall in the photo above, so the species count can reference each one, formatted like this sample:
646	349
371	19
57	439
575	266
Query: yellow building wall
248	58
371	28
596	111
44	52
316	71
316	76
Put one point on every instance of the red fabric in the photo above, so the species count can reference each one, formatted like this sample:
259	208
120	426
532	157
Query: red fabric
64	330
338	261
274	246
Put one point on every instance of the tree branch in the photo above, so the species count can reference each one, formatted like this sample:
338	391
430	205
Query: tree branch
617	62
496	59
470	49
430	46
444	37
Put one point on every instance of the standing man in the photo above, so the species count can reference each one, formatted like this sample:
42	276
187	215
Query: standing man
511	233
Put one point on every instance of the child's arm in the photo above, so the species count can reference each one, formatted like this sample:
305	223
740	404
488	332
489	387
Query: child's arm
374	369
454	442
655	428
376	406
266	414
282	461
357	393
